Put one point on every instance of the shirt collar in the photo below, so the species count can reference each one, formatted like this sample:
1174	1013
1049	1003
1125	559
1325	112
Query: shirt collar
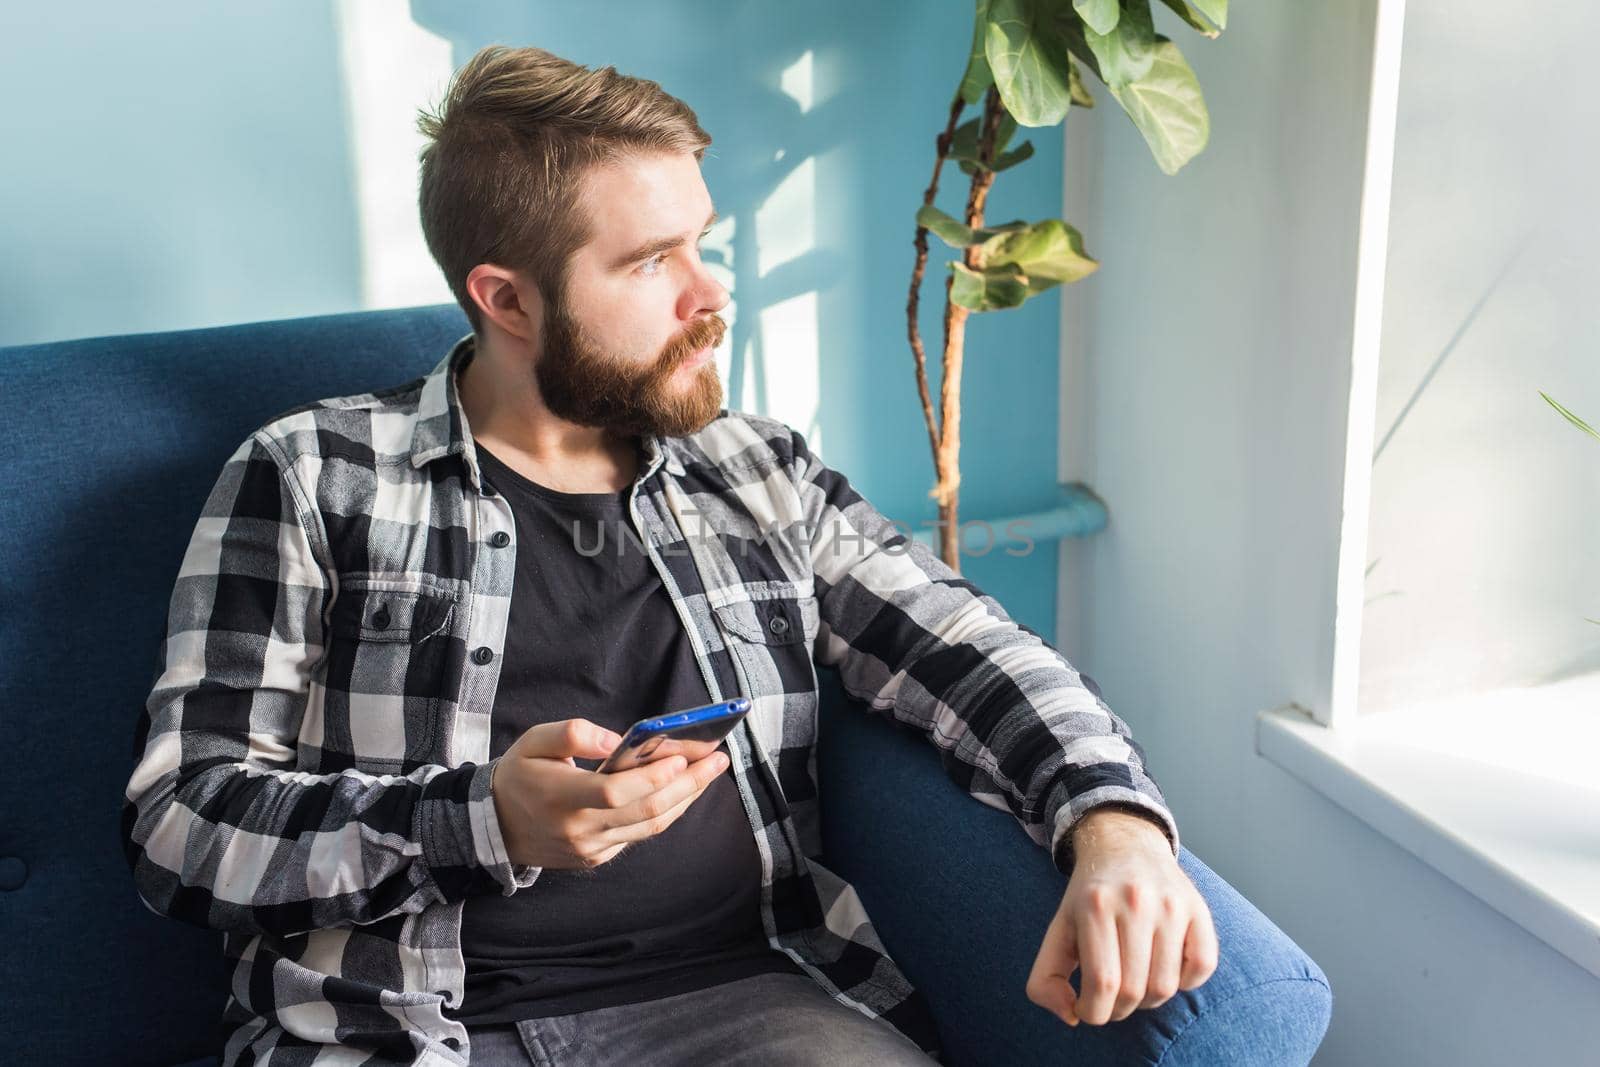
441	423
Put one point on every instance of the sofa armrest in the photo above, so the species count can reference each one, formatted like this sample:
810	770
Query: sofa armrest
961	898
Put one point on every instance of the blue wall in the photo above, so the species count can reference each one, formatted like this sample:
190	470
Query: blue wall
165	167
196	169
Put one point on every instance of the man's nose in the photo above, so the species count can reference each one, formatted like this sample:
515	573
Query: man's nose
706	296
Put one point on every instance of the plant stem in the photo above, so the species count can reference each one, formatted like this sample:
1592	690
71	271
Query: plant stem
942	145
948	452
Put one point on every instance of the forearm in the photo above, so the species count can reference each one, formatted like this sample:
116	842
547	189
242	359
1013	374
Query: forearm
1015	722
239	847
1031	739
220	826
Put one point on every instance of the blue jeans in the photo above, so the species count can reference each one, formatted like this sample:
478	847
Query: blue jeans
1267	1005
780	1019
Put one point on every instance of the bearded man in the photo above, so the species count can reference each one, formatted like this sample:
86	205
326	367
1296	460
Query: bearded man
393	662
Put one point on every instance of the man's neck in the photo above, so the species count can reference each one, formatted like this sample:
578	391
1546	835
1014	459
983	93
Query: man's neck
505	413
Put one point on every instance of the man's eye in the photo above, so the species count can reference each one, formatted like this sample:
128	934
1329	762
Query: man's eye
656	260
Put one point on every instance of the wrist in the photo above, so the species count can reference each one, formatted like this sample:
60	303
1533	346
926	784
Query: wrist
1119	828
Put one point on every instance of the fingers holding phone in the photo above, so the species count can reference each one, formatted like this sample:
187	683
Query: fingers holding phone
554	814
647	815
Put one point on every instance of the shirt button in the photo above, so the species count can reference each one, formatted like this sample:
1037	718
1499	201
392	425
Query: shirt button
482	654
778	625
380	619
500	539
452	1043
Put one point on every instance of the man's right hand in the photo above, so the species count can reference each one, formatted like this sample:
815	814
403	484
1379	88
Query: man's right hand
554	813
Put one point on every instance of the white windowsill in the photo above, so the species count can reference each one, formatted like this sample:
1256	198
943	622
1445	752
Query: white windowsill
1500	793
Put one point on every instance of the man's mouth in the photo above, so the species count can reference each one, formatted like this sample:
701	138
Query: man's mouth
696	359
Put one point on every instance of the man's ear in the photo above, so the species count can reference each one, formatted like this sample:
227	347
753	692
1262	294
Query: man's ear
507	299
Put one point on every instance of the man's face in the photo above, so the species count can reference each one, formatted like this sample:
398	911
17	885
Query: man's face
627	347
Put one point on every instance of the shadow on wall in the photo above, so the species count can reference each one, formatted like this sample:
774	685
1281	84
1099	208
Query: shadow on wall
238	166
822	121
823	118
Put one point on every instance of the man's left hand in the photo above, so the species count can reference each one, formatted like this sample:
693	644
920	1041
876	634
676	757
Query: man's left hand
1131	919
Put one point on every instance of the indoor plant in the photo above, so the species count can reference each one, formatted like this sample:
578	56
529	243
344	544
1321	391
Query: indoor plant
1026	68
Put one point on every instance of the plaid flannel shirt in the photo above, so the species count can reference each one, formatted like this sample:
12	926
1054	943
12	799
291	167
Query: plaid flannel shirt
312	764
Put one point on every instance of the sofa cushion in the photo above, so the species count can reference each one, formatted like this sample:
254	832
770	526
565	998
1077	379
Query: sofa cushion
110	446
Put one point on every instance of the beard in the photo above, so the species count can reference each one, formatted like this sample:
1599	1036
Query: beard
584	384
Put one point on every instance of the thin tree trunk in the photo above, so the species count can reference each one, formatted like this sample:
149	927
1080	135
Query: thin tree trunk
913	331
948	449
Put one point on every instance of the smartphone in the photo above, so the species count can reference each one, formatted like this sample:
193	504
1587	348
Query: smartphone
692	733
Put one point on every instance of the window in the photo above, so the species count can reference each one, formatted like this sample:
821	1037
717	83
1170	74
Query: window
1483	547
1465	710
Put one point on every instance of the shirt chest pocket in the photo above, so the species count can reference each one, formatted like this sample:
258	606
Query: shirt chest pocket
388	666
786	619
769	629
374	613
769	632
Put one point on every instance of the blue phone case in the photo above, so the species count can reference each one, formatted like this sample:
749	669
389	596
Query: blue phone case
710	723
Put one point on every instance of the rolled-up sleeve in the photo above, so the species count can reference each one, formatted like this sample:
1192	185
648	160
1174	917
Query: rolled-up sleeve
1016	725
219	828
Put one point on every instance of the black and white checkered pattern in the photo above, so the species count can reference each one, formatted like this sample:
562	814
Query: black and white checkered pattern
313	776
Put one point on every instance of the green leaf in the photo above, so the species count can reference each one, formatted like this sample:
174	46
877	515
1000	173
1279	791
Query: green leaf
1215	10
1012	158
1070	31
1167	107
1126	53
964	145
1080	91
1048	253
988	290
1192	17
1028	55
957	234
1099	15
1579	423
978	77
1005	161
947	229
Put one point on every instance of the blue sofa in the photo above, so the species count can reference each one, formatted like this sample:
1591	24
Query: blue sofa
110	445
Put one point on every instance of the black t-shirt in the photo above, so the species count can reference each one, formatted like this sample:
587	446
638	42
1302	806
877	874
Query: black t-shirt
594	634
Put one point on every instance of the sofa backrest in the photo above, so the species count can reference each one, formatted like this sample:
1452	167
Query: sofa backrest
108	448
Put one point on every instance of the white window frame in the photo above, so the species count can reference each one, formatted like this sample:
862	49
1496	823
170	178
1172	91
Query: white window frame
1372	256
1417	788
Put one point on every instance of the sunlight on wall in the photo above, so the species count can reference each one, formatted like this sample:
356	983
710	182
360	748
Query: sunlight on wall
391	69
789	341
788	344
796	81
717	252
786	221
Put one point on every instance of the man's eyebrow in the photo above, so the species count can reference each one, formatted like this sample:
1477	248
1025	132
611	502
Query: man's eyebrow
660	244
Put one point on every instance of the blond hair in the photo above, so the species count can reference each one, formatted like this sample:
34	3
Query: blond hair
517	129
